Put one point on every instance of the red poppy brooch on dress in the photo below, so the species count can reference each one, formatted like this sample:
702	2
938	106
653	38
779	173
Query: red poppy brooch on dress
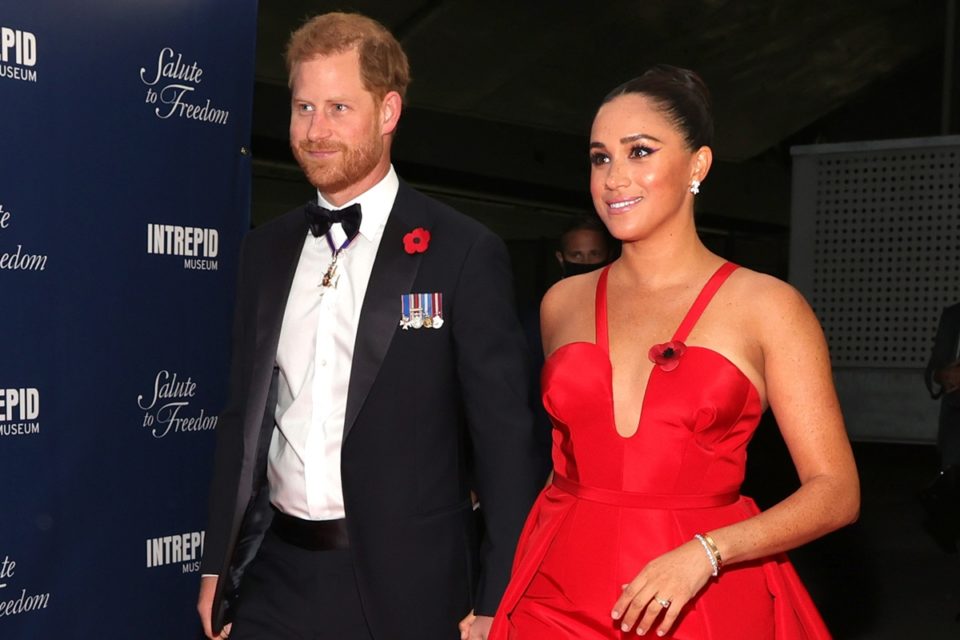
667	355
416	241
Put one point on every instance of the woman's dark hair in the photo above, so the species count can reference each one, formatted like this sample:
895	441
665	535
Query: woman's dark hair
681	95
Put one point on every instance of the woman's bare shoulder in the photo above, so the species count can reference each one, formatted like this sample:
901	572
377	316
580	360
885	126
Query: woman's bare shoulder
759	290
570	291
567	309
772	308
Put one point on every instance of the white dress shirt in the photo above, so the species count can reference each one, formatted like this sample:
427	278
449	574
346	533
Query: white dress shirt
315	354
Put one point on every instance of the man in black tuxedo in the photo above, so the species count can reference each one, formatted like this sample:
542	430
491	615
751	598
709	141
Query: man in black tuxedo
378	376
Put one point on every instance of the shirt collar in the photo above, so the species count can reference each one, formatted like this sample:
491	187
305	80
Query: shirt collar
375	204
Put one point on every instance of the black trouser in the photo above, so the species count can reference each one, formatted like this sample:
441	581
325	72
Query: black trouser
948	434
289	592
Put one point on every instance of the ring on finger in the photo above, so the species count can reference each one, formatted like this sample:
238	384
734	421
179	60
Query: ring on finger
663	602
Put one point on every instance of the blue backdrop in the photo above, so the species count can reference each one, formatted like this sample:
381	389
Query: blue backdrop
124	192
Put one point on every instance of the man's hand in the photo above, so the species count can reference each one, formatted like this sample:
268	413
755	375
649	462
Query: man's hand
208	586
475	627
949	377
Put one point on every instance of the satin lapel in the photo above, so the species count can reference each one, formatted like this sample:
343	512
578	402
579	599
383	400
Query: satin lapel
393	275
274	289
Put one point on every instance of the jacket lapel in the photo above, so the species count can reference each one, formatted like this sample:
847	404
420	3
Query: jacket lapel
272	294
393	274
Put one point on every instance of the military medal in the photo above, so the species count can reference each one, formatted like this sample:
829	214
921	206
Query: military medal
416	310
427	310
421	310
329	279
405	312
437	310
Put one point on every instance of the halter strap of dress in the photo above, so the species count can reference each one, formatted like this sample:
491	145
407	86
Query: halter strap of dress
696	310
703	299
602	339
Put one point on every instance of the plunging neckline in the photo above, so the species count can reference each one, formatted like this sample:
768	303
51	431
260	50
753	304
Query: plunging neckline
689	320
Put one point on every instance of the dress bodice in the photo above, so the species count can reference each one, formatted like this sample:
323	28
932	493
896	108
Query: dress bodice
618	502
698	413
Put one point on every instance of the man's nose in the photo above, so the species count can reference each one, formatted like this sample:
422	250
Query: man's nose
319	128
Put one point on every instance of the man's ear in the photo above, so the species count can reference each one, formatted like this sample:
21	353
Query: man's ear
390	108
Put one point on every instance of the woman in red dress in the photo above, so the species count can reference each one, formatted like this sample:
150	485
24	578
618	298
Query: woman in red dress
658	370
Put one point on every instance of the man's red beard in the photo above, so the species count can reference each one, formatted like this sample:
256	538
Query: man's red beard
347	167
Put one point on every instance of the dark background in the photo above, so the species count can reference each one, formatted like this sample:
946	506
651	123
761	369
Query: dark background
503	93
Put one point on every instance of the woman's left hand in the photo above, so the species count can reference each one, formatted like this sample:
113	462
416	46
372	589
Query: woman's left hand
664	586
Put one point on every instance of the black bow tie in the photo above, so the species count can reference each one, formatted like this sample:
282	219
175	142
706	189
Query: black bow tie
320	218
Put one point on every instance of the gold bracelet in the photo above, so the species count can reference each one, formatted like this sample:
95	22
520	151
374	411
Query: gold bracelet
714	549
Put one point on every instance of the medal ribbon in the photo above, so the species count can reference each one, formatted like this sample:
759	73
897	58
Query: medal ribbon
328	277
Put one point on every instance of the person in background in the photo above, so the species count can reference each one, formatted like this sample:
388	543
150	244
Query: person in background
583	246
942	377
378	376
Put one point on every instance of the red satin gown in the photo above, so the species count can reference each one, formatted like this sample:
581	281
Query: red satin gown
618	502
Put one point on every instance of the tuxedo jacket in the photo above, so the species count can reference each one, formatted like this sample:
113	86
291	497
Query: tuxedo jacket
944	353
430	414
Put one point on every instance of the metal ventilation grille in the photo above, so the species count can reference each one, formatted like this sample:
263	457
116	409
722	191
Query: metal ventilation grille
886	252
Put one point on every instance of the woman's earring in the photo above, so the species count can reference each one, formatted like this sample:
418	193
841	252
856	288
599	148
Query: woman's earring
695	187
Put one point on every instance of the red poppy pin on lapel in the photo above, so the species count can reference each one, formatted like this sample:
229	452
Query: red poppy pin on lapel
416	241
